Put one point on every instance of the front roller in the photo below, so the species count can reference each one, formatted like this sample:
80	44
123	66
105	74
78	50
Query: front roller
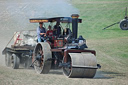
83	65
41	55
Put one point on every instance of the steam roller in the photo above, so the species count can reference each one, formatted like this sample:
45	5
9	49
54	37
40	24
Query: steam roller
78	65
62	49
66	51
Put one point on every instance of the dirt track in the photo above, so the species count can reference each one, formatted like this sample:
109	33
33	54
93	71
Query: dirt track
108	75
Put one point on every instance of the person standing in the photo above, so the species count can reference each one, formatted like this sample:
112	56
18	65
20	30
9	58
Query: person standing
41	32
57	29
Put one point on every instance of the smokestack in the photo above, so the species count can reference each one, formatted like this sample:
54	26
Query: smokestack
74	25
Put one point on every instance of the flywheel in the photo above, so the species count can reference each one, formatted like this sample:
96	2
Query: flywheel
41	54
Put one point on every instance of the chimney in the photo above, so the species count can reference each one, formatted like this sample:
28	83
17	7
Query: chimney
74	25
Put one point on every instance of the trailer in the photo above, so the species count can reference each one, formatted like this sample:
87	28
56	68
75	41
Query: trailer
21	49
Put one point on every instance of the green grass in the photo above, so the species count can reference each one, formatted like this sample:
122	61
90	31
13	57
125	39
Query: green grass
96	15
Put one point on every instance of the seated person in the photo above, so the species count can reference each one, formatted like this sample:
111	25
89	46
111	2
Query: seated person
41	32
50	31
57	29
66	32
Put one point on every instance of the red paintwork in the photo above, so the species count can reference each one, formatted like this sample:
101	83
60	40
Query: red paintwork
58	43
76	51
66	51
17	39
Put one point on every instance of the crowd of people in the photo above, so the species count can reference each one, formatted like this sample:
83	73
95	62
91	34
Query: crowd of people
42	32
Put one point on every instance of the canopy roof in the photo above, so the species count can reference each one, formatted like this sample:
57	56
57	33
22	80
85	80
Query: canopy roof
54	19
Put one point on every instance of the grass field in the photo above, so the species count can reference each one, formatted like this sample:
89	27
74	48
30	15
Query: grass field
111	44
96	15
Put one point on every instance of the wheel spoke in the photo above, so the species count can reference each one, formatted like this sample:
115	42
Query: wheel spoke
41	65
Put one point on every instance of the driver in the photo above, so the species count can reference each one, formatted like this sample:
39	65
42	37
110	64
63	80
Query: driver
57	29
41	32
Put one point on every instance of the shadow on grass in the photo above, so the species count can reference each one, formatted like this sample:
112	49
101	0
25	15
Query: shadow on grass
56	71
108	75
99	74
112	29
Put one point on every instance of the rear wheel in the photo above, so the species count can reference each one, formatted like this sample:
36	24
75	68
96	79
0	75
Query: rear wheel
8	59
41	54
28	63
15	61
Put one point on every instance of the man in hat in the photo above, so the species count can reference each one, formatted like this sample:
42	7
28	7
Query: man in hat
41	32
57	29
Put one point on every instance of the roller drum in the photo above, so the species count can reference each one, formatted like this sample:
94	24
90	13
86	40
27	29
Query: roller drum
81	64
